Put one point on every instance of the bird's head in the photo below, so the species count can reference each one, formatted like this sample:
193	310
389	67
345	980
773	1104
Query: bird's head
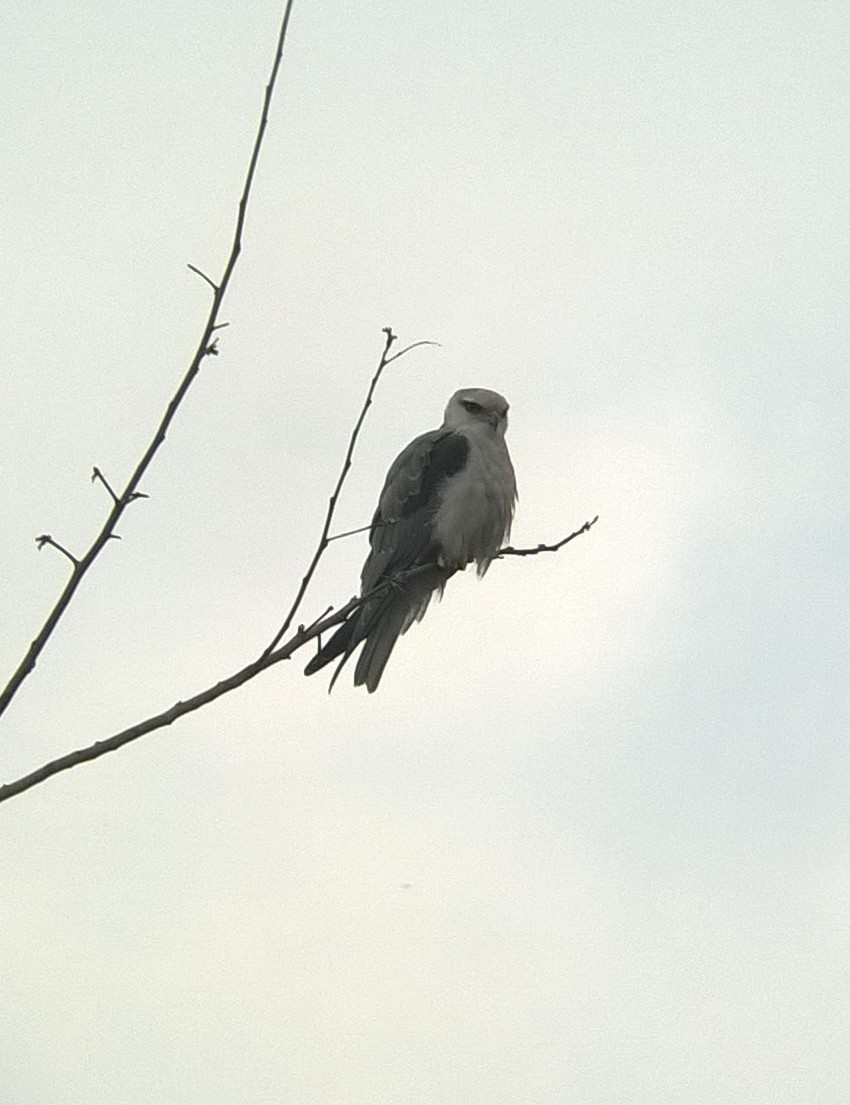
471	407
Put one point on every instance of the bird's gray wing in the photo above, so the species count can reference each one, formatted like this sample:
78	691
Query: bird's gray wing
401	534
402	551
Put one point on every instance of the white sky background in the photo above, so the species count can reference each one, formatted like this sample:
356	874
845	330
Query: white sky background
616	778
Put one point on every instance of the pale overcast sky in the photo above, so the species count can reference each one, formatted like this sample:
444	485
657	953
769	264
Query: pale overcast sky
589	843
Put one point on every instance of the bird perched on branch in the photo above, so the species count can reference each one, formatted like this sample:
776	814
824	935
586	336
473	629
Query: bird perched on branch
448	499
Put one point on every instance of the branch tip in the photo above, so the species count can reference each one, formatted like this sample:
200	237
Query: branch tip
96	475
204	276
511	551
46	539
346	465
407	349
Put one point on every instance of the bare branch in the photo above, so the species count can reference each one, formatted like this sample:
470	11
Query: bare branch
510	551
304	634
406	349
324	539
46	539
179	709
204	276
96	474
205	347
348	533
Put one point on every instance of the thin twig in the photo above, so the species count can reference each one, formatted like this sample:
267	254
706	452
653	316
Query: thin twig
510	551
46	539
348	533
407	348
205	348
203	276
98	475
324	539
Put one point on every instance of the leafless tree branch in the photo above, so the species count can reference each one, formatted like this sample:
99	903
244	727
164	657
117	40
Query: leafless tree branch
46	539
205	348
167	717
324	539
98	475
301	637
203	276
511	551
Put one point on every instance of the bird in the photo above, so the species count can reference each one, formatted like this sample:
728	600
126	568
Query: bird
448	500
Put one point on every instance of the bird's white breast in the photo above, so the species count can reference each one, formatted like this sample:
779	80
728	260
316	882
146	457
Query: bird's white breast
477	503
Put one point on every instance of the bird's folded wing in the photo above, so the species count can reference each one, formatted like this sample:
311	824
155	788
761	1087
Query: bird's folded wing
402	528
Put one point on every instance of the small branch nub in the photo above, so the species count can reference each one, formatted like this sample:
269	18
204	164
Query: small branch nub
46	539
204	276
96	474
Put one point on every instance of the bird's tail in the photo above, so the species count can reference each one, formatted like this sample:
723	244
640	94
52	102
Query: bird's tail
403	606
340	643
380	622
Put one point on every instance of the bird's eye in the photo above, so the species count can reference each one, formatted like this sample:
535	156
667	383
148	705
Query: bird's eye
471	406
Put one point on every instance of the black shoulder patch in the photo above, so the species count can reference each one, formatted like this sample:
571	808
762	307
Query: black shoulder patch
448	456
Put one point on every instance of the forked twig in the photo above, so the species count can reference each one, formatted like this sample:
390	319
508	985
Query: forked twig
46	539
324	539
205	348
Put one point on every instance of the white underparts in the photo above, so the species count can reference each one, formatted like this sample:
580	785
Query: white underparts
477	503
